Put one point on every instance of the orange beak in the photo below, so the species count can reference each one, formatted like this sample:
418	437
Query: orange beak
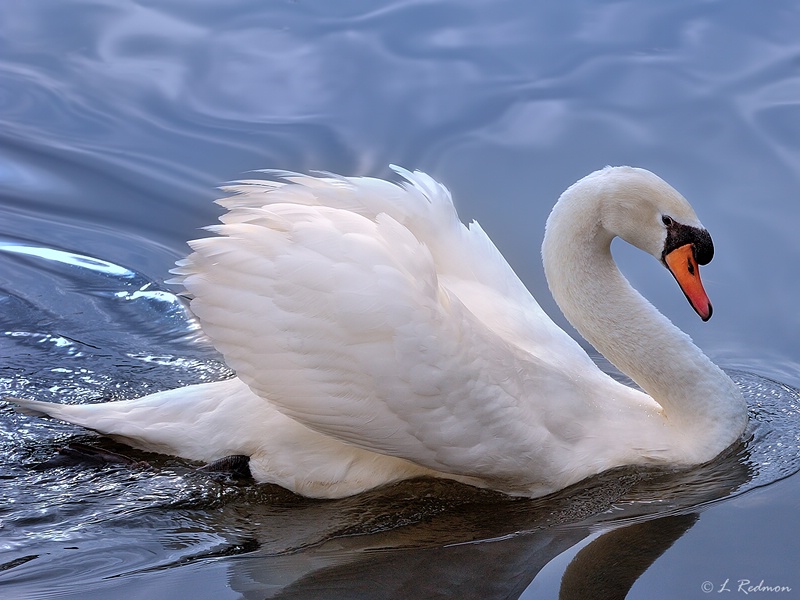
683	266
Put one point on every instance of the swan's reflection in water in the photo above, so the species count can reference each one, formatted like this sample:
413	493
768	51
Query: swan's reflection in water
485	546
605	568
611	564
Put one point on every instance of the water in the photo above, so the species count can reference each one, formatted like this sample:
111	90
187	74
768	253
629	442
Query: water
117	119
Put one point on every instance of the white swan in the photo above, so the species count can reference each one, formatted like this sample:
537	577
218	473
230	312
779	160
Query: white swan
376	338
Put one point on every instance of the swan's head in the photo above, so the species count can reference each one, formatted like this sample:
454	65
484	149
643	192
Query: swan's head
650	214
647	212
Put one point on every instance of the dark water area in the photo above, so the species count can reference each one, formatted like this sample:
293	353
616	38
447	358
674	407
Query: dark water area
119	119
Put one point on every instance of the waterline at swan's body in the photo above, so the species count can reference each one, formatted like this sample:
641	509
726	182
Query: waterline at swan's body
377	338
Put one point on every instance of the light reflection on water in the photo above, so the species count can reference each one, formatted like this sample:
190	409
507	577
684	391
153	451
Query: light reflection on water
114	131
69	258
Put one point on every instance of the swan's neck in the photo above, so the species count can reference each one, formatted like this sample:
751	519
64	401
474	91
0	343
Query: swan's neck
703	409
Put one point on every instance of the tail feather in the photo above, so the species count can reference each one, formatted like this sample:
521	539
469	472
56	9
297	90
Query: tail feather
37	408
192	422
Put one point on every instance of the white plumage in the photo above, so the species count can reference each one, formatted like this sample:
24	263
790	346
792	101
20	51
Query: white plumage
375	337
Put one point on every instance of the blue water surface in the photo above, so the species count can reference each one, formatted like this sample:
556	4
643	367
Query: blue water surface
119	118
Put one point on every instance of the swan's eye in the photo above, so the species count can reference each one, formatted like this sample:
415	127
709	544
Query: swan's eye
667	221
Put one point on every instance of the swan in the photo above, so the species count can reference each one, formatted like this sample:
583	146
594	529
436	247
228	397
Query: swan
374	337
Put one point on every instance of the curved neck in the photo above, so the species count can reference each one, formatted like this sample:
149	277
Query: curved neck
700	403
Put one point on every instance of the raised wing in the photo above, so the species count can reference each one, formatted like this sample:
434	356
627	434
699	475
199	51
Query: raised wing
369	313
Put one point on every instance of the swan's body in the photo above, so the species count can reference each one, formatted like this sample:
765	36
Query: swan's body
376	338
